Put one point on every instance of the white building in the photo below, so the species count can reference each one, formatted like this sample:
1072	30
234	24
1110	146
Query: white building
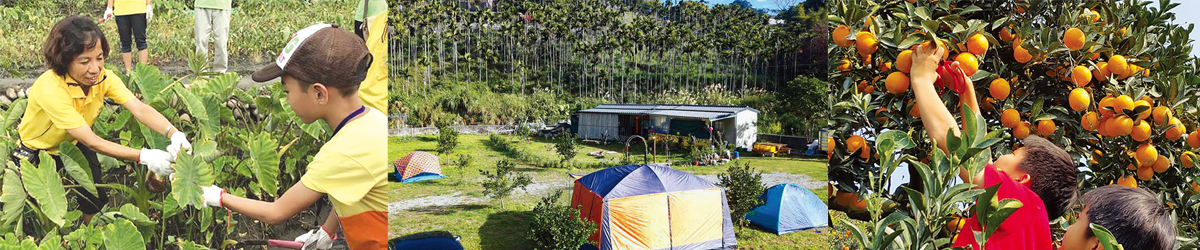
736	124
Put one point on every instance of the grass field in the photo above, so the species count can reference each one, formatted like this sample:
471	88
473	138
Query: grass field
456	203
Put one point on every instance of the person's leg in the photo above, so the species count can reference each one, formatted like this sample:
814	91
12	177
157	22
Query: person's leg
203	30
124	31
139	35
94	202
221	31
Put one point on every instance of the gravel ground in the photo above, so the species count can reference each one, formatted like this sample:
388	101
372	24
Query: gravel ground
544	184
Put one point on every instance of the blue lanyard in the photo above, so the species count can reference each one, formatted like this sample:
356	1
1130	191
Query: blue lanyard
347	119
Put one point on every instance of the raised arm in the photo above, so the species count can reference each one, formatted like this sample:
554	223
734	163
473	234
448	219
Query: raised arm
934	115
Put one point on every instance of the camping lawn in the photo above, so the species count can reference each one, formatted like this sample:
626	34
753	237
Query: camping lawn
456	203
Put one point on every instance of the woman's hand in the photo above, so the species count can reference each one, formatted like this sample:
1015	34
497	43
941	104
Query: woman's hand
926	57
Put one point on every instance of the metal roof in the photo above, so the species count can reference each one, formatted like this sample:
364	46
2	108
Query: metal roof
708	112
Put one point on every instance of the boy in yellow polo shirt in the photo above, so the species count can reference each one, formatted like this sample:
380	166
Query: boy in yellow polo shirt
65	100
321	68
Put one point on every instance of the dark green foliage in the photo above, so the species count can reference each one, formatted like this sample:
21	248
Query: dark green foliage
566	147
500	183
743	186
558	227
447	139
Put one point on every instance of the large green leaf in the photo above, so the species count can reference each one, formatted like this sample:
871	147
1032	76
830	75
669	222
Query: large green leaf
199	112
191	173
153	138
14	113
131	212
73	162
150	83
13	198
122	235
43	184
264	161
1105	237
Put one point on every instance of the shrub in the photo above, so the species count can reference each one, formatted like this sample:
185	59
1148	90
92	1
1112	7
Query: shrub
447	139
743	186
500	183
566	147
558	227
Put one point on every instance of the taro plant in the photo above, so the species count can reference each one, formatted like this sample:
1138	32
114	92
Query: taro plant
244	139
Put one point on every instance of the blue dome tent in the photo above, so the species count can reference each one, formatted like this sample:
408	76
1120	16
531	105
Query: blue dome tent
789	208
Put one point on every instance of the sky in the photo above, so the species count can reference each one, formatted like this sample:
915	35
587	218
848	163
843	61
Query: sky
758	4
1185	14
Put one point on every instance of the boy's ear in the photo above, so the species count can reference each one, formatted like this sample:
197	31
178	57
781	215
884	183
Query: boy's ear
322	92
1023	179
1095	243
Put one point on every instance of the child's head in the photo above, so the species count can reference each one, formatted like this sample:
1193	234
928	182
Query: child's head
76	47
1046	168
320	64
1135	217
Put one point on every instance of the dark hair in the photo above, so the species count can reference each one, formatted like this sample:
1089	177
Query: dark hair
1135	217
1051	173
69	38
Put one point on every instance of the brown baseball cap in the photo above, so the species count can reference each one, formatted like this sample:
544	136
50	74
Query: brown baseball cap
320	53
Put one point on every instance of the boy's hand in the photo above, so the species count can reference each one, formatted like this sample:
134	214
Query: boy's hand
316	239
157	161
926	57
108	14
179	144
212	195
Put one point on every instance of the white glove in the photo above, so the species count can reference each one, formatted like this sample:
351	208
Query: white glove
212	195
179	144
149	12
108	13
157	161
316	239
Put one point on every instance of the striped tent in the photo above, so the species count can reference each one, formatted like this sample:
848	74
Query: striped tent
418	166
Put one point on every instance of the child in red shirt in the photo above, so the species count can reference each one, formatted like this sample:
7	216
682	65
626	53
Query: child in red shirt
1039	174
1135	217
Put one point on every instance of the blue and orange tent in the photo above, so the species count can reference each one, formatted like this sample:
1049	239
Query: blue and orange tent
653	207
418	166
789	208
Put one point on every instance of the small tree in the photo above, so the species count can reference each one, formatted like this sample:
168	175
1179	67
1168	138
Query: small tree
743	186
500	183
558	227
447	139
566	147
463	162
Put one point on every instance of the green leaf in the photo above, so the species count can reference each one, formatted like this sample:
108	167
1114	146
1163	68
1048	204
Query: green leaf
205	149
150	83
153	139
14	113
191	173
13	198
51	242
73	162
195	107
131	212
264	161
123	235
43	184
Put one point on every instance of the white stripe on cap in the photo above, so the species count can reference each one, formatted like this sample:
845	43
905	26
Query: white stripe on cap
295	41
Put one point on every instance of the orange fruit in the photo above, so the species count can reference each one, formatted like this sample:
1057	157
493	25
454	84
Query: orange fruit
1101	71
1147	99
1142	103
1073	39
897	83
1080	99
1195	187
1121	32
1131	166
1005	35
854	143
1122	103
904	61
866	43
1010	118
1175	132
845	198
1021	131
987	104
1120	126
915	111
968	63
839	36
866	152
1021	54
1081	76
1045	127
885	66
1107	101
1162	164
1127	181
999	89
955	224
1117	65
1188	159
832	143
1093	16
869	89
1145	173
1141	131
859	205
879	117
1091	121
844	66
1146	154
977	44
1193	139
1161	115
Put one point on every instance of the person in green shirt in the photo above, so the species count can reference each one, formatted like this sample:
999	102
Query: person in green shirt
212	19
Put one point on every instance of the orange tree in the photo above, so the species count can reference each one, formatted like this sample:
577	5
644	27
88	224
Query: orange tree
1111	82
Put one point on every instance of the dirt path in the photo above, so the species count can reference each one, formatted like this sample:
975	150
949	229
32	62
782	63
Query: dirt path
546	183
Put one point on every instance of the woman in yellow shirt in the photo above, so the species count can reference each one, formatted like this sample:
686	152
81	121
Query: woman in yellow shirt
65	100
